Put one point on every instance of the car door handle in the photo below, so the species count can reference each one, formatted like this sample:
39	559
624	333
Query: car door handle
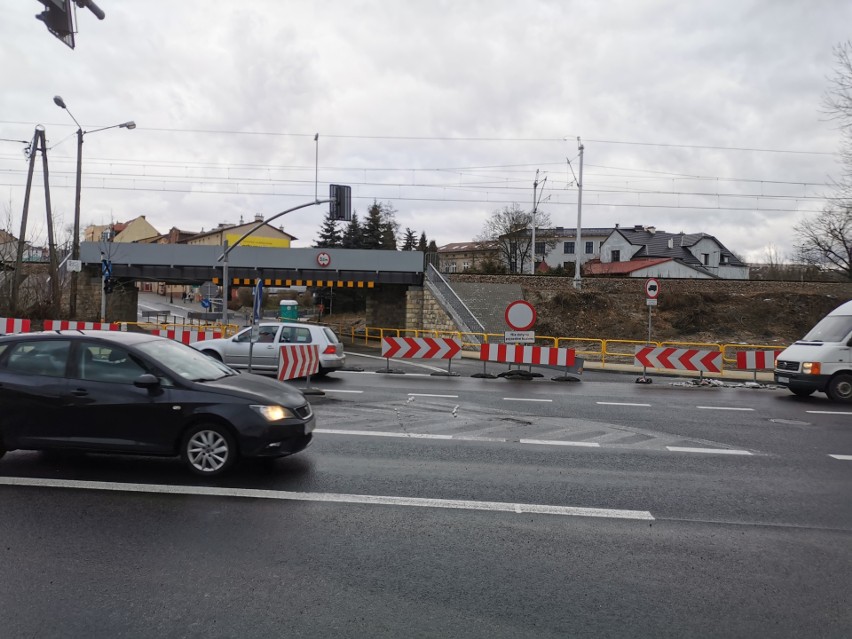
80	392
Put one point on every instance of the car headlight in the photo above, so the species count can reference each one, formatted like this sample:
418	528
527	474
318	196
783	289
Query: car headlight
272	413
811	368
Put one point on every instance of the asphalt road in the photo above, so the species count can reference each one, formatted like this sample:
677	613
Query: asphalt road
432	506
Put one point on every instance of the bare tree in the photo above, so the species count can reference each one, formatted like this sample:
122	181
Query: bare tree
837	104
510	228
826	241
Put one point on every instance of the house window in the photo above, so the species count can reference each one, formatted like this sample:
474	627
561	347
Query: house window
465	266
615	255
539	248
705	257
723	259
590	248
568	248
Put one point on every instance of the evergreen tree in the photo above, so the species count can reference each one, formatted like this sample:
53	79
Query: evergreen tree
409	241
353	234
329	236
380	227
432	248
422	245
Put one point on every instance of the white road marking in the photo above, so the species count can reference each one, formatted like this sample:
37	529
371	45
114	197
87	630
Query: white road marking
429	395
723	408
474	438
380	433
334	390
341	498
715	451
556	442
842	457
620	404
525	399
827	412
379	372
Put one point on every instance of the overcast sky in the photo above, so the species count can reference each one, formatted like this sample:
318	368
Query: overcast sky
695	116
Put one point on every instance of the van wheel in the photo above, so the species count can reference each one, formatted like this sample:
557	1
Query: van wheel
802	392
840	388
208	450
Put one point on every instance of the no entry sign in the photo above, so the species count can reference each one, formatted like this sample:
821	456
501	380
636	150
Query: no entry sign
520	315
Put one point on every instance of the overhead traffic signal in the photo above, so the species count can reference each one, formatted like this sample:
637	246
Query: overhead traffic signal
340	206
108	285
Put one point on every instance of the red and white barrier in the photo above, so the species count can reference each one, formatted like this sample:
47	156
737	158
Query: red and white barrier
518	354
421	347
686	359
64	325
298	360
11	325
187	336
756	360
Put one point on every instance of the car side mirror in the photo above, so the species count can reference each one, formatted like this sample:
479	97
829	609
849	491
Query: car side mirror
147	380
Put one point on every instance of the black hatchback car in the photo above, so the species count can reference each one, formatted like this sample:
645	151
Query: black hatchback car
115	392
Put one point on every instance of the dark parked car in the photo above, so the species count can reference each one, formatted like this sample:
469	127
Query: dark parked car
116	392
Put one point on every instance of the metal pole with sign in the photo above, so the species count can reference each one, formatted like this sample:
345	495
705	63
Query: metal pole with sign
652	290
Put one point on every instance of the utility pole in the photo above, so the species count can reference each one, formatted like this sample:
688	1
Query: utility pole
38	143
578	281
536	202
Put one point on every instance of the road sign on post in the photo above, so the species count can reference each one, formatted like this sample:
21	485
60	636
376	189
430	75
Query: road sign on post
652	288
520	315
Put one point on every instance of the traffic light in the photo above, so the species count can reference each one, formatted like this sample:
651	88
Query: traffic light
340	206
58	17
108	284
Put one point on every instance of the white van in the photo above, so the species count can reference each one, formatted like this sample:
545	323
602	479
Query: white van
822	360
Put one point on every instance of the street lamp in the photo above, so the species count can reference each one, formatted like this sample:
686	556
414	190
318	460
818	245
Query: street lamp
75	245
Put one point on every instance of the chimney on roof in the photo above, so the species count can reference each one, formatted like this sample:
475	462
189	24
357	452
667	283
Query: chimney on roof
651	229
616	225
258	217
637	227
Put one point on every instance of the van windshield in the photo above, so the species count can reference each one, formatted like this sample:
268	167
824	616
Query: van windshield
833	328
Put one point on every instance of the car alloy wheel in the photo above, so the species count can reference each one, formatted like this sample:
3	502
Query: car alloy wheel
208	450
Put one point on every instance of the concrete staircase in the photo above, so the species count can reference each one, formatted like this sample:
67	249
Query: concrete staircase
488	302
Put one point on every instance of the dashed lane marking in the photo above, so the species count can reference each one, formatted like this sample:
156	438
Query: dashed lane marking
621	404
340	498
723	408
842	457
827	412
430	395
380	433
336	390
525	399
556	442
713	451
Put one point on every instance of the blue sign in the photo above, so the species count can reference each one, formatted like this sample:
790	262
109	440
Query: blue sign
258	300
205	303
106	268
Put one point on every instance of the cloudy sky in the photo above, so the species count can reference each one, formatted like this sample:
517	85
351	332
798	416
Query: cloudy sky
695	116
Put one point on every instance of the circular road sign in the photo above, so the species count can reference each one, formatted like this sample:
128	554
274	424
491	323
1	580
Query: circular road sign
652	288
323	259
520	315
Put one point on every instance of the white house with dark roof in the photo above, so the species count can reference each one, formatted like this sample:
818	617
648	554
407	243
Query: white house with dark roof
642	251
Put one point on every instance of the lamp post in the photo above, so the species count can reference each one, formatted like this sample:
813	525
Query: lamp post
75	242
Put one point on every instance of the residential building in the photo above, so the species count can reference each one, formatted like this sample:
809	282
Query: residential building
642	251
136	230
560	248
460	257
266	235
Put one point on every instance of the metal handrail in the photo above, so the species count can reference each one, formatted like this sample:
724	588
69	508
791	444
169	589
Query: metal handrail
442	289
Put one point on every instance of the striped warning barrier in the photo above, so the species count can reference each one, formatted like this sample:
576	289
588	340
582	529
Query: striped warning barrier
65	325
686	359
11	325
756	360
298	360
187	336
518	354
421	347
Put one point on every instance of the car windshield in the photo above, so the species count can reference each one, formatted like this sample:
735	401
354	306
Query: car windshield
185	361
833	328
